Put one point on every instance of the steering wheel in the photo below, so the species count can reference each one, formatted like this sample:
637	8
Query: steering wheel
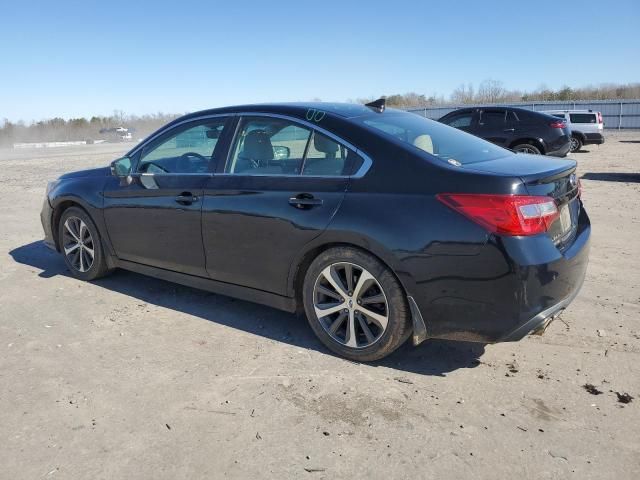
200	164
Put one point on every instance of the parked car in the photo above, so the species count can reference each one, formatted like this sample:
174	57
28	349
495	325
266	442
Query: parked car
518	129
587	127
378	224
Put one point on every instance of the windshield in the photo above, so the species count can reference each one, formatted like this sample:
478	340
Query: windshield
441	141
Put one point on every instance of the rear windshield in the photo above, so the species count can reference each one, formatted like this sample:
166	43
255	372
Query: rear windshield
582	117
444	142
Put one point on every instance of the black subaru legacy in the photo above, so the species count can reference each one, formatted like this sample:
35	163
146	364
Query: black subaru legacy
378	224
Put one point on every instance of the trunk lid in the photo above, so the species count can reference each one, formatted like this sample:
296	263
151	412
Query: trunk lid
544	176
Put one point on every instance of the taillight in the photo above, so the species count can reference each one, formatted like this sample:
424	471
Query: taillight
505	214
558	124
599	117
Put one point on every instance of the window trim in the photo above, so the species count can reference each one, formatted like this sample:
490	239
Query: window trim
364	168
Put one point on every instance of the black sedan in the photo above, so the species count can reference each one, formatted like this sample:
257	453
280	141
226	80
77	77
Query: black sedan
376	223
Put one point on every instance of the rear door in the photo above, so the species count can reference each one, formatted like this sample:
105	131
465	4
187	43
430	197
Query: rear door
155	217
282	183
492	126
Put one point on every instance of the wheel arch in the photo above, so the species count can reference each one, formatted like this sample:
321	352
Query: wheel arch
62	204
575	133
301	264
538	143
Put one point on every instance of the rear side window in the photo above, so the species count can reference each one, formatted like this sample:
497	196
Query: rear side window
275	146
582	117
441	141
492	118
511	117
268	146
324	157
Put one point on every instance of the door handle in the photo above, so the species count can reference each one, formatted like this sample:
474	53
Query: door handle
305	200
186	198
507	130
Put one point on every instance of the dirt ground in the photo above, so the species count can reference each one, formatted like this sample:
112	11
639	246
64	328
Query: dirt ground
131	377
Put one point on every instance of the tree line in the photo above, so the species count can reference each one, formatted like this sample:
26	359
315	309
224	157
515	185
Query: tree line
494	91
488	91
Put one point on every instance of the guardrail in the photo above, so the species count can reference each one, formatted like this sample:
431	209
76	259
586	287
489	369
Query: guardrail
617	114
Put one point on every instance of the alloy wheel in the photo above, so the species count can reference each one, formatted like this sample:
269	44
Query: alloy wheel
574	144
350	305
78	244
526	150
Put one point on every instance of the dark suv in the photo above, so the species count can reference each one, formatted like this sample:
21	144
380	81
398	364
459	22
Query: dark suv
514	128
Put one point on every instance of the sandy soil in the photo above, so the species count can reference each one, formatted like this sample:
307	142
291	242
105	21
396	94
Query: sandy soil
131	377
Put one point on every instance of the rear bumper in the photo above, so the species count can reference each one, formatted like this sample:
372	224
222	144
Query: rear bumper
559	150
513	287
593	139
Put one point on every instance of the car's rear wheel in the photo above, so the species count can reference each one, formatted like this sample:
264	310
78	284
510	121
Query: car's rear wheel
355	305
80	244
576	143
527	148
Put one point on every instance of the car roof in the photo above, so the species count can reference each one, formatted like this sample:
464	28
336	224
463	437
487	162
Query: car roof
490	107
295	109
568	111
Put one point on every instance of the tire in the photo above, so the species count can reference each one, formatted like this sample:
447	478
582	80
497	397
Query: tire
377	311
527	148
75	223
576	143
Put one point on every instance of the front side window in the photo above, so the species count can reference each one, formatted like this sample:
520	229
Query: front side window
434	137
460	121
190	149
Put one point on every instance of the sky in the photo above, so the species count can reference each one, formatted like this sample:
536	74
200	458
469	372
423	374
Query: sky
83	58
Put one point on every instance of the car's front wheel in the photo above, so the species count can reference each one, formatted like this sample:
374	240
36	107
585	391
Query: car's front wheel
80	244
355	305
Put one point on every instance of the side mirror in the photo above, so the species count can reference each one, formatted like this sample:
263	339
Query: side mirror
281	152
121	167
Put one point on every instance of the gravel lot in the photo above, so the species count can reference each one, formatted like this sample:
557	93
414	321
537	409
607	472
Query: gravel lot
132	377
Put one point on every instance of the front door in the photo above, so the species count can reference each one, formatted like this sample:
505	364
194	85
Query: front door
155	218
281	186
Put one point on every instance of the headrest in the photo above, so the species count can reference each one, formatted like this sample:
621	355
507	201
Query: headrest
324	144
424	142
257	146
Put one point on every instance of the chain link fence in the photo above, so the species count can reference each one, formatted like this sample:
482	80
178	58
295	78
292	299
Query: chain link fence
618	114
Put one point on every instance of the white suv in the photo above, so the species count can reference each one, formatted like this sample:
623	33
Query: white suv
586	126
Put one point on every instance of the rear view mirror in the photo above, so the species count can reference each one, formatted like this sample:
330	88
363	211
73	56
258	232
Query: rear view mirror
281	152
213	133
121	167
